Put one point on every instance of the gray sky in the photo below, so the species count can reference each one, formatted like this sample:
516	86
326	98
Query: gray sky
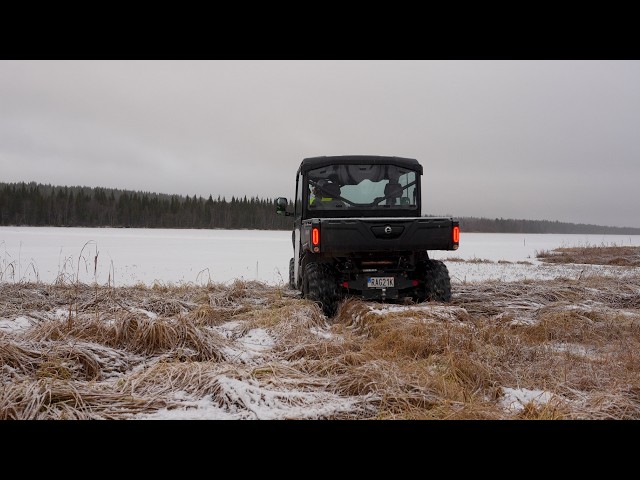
555	140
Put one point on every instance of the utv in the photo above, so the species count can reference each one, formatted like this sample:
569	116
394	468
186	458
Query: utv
358	230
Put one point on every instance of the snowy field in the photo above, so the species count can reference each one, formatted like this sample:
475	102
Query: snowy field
126	256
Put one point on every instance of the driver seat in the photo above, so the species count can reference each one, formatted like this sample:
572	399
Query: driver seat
393	191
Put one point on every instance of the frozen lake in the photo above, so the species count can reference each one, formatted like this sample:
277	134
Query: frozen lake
126	256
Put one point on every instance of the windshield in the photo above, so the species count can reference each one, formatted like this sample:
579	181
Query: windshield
362	187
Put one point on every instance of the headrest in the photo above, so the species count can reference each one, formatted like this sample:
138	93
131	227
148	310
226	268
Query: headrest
330	190
393	190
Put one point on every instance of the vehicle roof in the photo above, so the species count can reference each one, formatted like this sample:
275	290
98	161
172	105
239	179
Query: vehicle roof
317	162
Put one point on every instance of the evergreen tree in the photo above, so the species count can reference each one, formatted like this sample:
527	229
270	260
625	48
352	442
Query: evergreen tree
47	205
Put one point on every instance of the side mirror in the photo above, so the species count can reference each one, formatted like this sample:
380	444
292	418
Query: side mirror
281	206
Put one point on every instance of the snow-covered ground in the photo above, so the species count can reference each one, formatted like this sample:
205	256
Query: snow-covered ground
126	256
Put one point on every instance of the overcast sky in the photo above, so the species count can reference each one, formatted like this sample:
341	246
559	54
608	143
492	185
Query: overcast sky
556	140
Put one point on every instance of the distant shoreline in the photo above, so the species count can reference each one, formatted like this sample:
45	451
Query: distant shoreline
489	228
37	205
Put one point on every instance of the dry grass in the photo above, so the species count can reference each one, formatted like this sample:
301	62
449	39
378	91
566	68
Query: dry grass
89	352
628	256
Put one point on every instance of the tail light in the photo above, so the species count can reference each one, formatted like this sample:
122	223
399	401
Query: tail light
456	236
315	238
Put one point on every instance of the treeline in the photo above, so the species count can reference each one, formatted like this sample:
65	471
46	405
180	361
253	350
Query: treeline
46	205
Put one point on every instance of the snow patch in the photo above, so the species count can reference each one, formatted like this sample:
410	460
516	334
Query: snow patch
257	340
321	332
60	314
191	409
256	402
248	400
515	399
250	347
149	314
464	272
227	329
441	312
18	324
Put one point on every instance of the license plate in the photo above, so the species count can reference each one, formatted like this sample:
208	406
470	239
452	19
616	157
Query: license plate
380	282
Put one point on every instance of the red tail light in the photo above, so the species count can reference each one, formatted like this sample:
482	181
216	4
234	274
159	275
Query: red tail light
315	236
456	234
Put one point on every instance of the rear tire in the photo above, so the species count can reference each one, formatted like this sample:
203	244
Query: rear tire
292	282
437	283
319	285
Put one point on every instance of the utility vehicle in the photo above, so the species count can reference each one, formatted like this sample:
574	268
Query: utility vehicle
358	230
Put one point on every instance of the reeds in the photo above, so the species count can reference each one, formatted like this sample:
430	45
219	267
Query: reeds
628	256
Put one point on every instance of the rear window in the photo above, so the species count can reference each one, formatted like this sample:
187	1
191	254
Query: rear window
362	187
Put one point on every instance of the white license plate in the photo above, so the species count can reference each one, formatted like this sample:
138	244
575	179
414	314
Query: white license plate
380	282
